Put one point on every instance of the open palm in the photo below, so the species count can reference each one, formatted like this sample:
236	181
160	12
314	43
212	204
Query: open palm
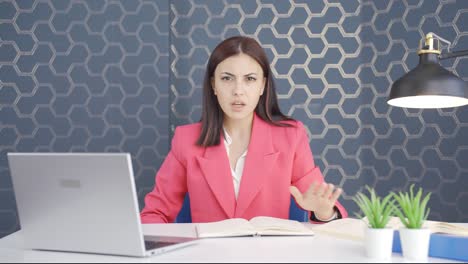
320	198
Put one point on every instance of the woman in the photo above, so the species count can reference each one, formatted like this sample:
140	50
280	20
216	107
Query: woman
245	158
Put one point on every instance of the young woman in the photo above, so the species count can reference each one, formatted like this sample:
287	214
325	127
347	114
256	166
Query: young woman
245	158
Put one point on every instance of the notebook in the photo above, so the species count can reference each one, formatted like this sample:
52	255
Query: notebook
257	226
82	202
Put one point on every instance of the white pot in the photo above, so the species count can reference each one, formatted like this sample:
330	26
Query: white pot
378	243
415	243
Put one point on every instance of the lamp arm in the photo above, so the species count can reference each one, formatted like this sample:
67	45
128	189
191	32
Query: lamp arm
453	54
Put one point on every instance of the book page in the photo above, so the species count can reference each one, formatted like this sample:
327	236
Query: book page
276	226
346	228
353	228
225	228
434	226
447	228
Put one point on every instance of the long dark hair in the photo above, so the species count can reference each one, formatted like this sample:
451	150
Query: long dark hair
212	115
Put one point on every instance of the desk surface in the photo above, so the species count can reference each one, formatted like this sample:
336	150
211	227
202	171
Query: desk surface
318	248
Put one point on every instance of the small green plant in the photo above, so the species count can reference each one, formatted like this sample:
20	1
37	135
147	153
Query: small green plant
412	209
378	211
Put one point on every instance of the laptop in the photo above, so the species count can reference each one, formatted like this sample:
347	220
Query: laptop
82	202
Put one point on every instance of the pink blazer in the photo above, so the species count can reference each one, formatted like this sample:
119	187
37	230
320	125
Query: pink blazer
277	157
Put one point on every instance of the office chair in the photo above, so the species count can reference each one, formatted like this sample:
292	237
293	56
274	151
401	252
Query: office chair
184	215
295	213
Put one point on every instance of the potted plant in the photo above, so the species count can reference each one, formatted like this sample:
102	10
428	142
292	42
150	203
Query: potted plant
413	211
378	238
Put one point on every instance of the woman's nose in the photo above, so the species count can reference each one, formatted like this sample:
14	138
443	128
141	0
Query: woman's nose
238	88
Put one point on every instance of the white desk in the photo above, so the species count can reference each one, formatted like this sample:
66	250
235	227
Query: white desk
319	248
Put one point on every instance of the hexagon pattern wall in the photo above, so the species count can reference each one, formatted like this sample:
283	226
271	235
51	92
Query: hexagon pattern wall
334	62
118	76
83	76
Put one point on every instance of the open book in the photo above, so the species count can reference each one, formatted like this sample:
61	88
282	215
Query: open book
257	226
353	228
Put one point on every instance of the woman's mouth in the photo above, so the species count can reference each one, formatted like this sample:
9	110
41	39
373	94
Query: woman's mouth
238	106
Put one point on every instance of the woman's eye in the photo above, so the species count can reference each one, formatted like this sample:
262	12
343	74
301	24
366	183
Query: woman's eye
226	78
251	79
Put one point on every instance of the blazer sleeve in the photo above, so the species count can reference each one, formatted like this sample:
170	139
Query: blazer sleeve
164	202
304	170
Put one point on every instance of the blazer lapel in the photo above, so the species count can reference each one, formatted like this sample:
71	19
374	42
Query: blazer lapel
217	172
258	164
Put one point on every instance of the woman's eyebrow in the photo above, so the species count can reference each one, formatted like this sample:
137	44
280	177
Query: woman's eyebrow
230	74
252	73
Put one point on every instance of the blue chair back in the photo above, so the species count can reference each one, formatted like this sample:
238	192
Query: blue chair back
295	213
184	215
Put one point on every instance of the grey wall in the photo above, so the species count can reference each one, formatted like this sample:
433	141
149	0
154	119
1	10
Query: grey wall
334	62
118	76
83	76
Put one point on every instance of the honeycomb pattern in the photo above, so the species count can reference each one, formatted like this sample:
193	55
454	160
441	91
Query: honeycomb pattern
83	76
334	63
113	76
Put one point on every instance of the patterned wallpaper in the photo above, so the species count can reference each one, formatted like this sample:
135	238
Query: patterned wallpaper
83	76
114	76
334	63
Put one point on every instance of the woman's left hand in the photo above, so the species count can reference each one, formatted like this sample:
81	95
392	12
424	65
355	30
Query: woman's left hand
319	198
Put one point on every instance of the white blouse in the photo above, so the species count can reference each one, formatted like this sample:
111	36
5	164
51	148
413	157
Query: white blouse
239	168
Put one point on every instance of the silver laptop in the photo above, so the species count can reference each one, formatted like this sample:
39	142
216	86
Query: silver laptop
82	202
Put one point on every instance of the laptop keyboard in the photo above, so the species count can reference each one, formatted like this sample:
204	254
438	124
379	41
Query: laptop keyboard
149	245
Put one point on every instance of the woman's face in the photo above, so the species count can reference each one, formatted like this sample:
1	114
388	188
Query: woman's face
238	83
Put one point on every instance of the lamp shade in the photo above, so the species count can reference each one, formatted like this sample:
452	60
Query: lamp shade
429	85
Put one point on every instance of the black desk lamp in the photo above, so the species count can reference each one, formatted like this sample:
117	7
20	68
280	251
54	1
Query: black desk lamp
429	85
